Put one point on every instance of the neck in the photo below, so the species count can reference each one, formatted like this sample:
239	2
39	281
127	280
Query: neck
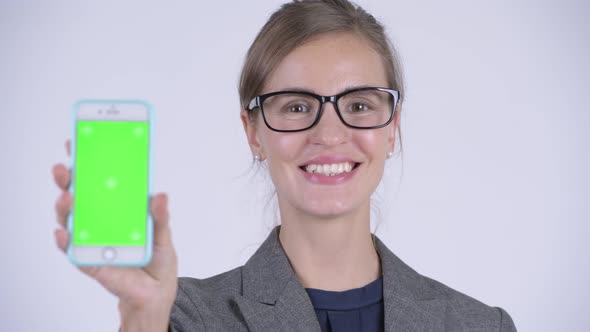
333	254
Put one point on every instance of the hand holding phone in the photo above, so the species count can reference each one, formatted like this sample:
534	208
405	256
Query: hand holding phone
146	295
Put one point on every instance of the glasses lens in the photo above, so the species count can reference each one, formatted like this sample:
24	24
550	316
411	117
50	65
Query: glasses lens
290	111
366	108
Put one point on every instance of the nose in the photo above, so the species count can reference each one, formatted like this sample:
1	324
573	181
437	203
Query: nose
330	130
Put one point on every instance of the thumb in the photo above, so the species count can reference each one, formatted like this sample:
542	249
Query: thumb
163	265
159	207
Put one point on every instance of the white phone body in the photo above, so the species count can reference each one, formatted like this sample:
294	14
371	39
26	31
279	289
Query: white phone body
110	222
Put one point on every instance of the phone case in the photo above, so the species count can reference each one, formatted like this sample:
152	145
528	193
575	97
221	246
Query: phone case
150	222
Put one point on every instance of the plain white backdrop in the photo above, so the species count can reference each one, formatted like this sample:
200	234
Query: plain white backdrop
493	199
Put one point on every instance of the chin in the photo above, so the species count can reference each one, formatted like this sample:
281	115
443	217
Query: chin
328	209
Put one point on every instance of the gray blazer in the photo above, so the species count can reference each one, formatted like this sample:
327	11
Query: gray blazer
265	295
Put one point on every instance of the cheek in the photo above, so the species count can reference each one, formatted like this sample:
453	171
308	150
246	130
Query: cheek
281	148
374	143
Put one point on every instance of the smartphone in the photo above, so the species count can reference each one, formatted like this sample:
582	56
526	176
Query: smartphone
110	222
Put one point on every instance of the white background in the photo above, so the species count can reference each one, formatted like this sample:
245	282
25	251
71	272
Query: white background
493	199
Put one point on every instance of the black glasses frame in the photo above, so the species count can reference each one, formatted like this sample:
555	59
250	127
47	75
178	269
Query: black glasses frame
259	100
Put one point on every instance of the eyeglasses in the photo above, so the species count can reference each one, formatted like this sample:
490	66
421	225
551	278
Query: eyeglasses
292	111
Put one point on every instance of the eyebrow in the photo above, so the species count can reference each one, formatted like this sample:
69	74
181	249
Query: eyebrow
300	89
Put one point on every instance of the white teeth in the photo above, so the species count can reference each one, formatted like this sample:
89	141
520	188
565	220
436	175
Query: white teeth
329	169
334	168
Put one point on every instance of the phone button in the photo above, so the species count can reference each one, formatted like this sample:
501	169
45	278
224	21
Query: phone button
109	254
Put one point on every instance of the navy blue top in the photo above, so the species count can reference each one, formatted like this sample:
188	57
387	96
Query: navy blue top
358	309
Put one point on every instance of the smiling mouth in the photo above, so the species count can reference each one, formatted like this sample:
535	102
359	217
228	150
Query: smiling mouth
330	169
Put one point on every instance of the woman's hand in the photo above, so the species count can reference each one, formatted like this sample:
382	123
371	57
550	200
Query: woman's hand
146	295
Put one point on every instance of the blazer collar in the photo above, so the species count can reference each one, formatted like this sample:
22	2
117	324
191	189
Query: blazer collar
274	299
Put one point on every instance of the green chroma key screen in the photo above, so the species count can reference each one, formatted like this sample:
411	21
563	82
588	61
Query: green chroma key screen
111	185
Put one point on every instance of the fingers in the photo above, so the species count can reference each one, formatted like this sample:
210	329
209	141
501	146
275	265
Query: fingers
63	207
63	204
61	239
61	175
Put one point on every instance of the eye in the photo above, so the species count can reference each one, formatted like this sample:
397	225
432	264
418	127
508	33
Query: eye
358	107
297	108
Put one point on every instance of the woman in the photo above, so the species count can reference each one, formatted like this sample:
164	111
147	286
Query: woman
321	91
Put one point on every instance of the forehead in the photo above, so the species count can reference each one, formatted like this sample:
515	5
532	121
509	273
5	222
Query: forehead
329	64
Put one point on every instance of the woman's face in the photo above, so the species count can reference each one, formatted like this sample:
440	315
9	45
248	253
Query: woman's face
327	65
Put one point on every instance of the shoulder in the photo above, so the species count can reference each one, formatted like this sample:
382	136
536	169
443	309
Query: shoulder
435	301
229	282
464	312
208	303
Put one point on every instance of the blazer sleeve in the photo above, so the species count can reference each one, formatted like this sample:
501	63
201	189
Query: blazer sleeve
185	315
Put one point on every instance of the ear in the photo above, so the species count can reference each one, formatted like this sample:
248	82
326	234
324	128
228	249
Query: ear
394	127
251	133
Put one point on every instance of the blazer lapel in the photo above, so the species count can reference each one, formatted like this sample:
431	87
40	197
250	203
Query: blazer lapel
409	303
273	299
